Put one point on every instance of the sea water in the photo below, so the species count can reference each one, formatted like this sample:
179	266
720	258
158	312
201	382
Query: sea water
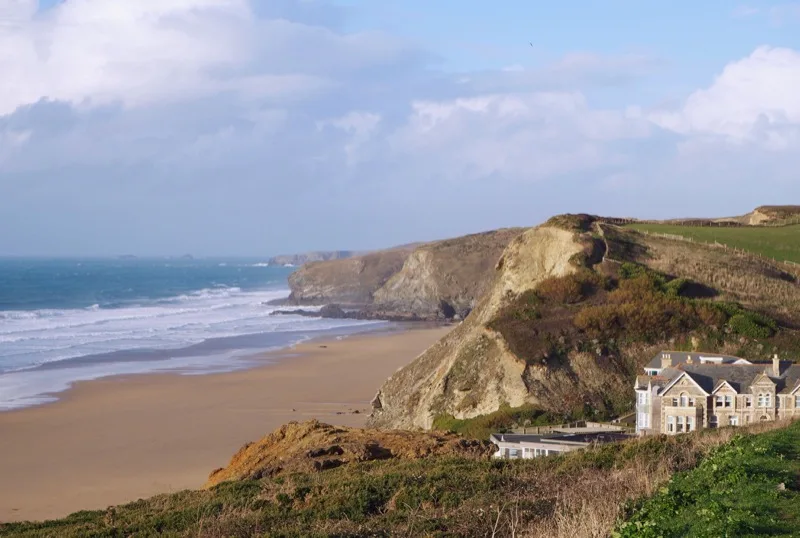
69	320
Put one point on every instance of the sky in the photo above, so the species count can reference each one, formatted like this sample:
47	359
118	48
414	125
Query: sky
258	127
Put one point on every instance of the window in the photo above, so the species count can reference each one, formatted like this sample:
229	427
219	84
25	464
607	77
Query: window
728	401
720	401
733	420
691	402
690	424
514	452
680	425
671	424
642	398
684	400
643	420
713	421
765	400
747	419
748	402
797	401
674	402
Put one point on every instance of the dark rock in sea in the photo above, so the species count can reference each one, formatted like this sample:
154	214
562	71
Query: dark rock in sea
332	311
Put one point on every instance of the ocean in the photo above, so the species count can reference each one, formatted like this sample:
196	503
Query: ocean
68	320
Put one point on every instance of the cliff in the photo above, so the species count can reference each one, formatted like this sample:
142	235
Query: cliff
430	280
561	328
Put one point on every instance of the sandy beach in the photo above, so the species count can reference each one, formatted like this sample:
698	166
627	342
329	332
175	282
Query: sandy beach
119	439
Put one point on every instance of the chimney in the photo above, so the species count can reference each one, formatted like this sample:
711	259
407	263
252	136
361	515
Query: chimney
776	366
666	360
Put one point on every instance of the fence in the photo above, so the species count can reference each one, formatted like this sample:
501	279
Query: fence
780	223
716	244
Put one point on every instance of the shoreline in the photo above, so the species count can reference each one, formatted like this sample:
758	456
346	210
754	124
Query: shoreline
117	439
135	361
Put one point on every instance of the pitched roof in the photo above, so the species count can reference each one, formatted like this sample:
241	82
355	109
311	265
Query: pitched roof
738	376
682	357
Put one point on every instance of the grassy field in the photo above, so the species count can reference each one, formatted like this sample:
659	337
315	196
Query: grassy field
749	487
780	243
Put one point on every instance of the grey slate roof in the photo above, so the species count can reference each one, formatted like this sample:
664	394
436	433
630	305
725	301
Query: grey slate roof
740	377
681	357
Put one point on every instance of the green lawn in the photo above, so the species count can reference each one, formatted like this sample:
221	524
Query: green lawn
749	487
781	243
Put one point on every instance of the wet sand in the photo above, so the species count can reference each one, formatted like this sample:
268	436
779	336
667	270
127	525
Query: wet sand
118	439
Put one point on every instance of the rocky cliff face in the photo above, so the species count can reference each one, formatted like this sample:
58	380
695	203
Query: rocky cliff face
473	370
442	279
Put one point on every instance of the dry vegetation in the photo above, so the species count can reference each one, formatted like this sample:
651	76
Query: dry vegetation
314	446
577	495
746	279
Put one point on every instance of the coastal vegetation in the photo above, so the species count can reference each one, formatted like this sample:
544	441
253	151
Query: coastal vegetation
781	243
584	493
587	311
747	487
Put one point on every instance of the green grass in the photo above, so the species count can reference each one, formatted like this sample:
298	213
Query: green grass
781	243
748	487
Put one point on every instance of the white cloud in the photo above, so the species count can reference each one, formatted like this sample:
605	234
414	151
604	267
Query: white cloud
525	136
135	52
255	111
756	99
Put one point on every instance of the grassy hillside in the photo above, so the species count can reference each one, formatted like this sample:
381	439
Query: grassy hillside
779	243
748	487
578	494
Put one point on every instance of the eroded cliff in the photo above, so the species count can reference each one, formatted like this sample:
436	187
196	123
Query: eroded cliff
579	353
441	279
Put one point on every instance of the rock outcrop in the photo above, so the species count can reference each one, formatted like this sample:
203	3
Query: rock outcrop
442	279
471	372
314	446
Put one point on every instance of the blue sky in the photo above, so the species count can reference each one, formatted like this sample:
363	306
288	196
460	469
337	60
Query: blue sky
257	127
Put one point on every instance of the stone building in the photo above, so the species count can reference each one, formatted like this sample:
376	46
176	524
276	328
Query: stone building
683	392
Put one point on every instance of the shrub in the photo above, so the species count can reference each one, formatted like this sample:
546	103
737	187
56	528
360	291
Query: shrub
750	326
631	270
710	316
564	290
675	287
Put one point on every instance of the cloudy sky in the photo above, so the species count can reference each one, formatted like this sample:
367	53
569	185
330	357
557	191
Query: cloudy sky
238	127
